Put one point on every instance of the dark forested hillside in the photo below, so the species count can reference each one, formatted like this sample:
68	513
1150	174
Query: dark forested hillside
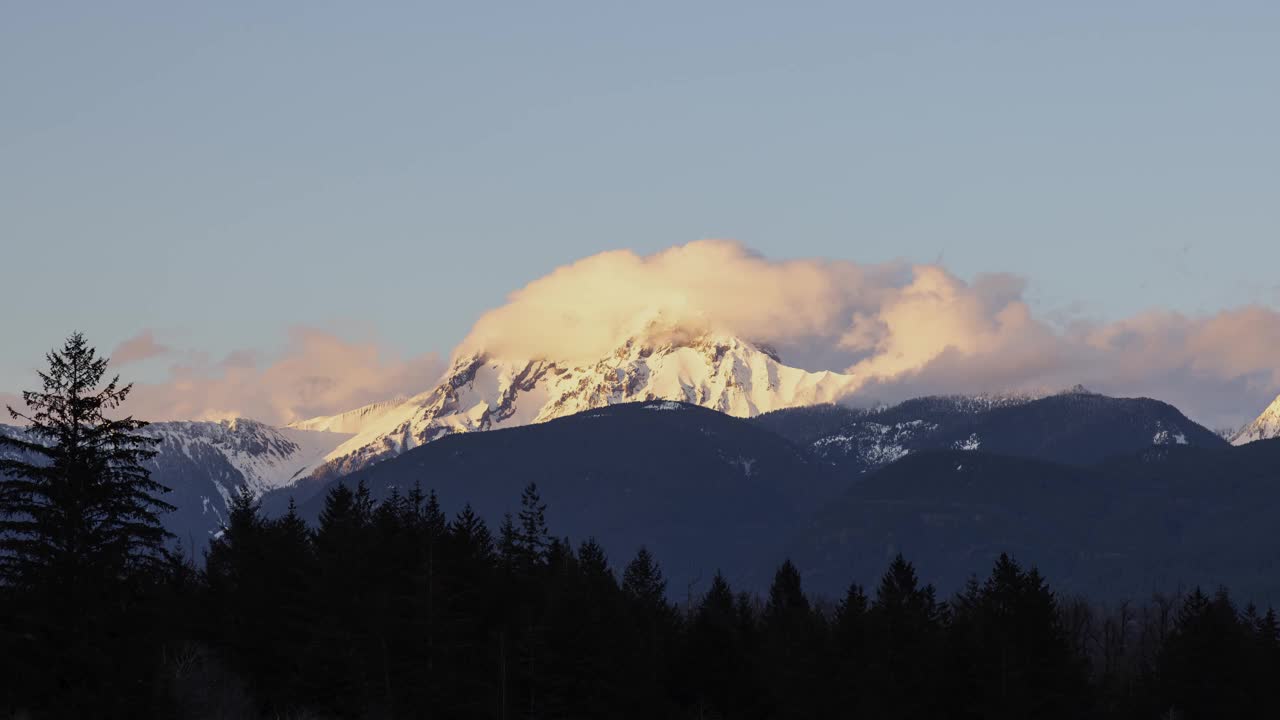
1160	519
805	424
699	487
1077	428
1083	428
954	511
1125	517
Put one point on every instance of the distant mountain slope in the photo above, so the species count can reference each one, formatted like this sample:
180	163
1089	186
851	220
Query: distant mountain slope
1075	427
205	463
1160	519
807	423
1112	495
700	488
707	491
952	512
1084	428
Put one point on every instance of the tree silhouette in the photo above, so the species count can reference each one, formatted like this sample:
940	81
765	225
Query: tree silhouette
1017	658
905	644
80	538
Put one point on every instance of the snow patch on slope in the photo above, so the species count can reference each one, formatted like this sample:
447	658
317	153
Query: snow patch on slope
266	457
667	405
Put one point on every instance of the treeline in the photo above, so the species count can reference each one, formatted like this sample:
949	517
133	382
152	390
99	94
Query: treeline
393	609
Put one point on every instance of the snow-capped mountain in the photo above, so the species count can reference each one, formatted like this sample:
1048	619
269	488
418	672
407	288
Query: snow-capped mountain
263	458
484	392
204	463
1264	427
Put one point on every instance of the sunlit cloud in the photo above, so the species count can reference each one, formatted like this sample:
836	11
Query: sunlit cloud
902	329
318	373
142	346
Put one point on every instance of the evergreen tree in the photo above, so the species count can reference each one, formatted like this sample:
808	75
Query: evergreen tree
642	581
719	661
1013	647
652	626
787	602
83	509
422	605
849	633
80	537
474	628
434	520
1266	664
472	537
905	646
342	521
508	544
532	536
346	670
583	618
1203	667
791	646
257	573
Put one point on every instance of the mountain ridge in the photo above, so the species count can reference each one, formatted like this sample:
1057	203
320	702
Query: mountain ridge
1263	427
483	392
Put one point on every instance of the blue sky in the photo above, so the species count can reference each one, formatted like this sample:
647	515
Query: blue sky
220	172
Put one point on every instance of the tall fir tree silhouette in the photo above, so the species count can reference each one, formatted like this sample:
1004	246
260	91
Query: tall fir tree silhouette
905	644
81	508
533	536
79	529
1016	658
790	647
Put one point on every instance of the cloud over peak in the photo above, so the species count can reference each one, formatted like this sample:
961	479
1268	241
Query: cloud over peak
903	329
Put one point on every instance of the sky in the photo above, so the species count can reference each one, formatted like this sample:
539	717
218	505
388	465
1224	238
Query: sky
292	193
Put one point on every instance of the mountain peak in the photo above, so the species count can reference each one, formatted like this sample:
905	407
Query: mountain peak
484	391
1264	427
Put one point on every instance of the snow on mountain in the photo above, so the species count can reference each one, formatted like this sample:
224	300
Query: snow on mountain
483	392
351	421
1073	427
1264	427
884	434
203	464
266	458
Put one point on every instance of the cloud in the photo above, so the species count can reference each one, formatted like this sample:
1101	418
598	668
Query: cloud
142	346
1210	367
318	373
584	310
903	329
